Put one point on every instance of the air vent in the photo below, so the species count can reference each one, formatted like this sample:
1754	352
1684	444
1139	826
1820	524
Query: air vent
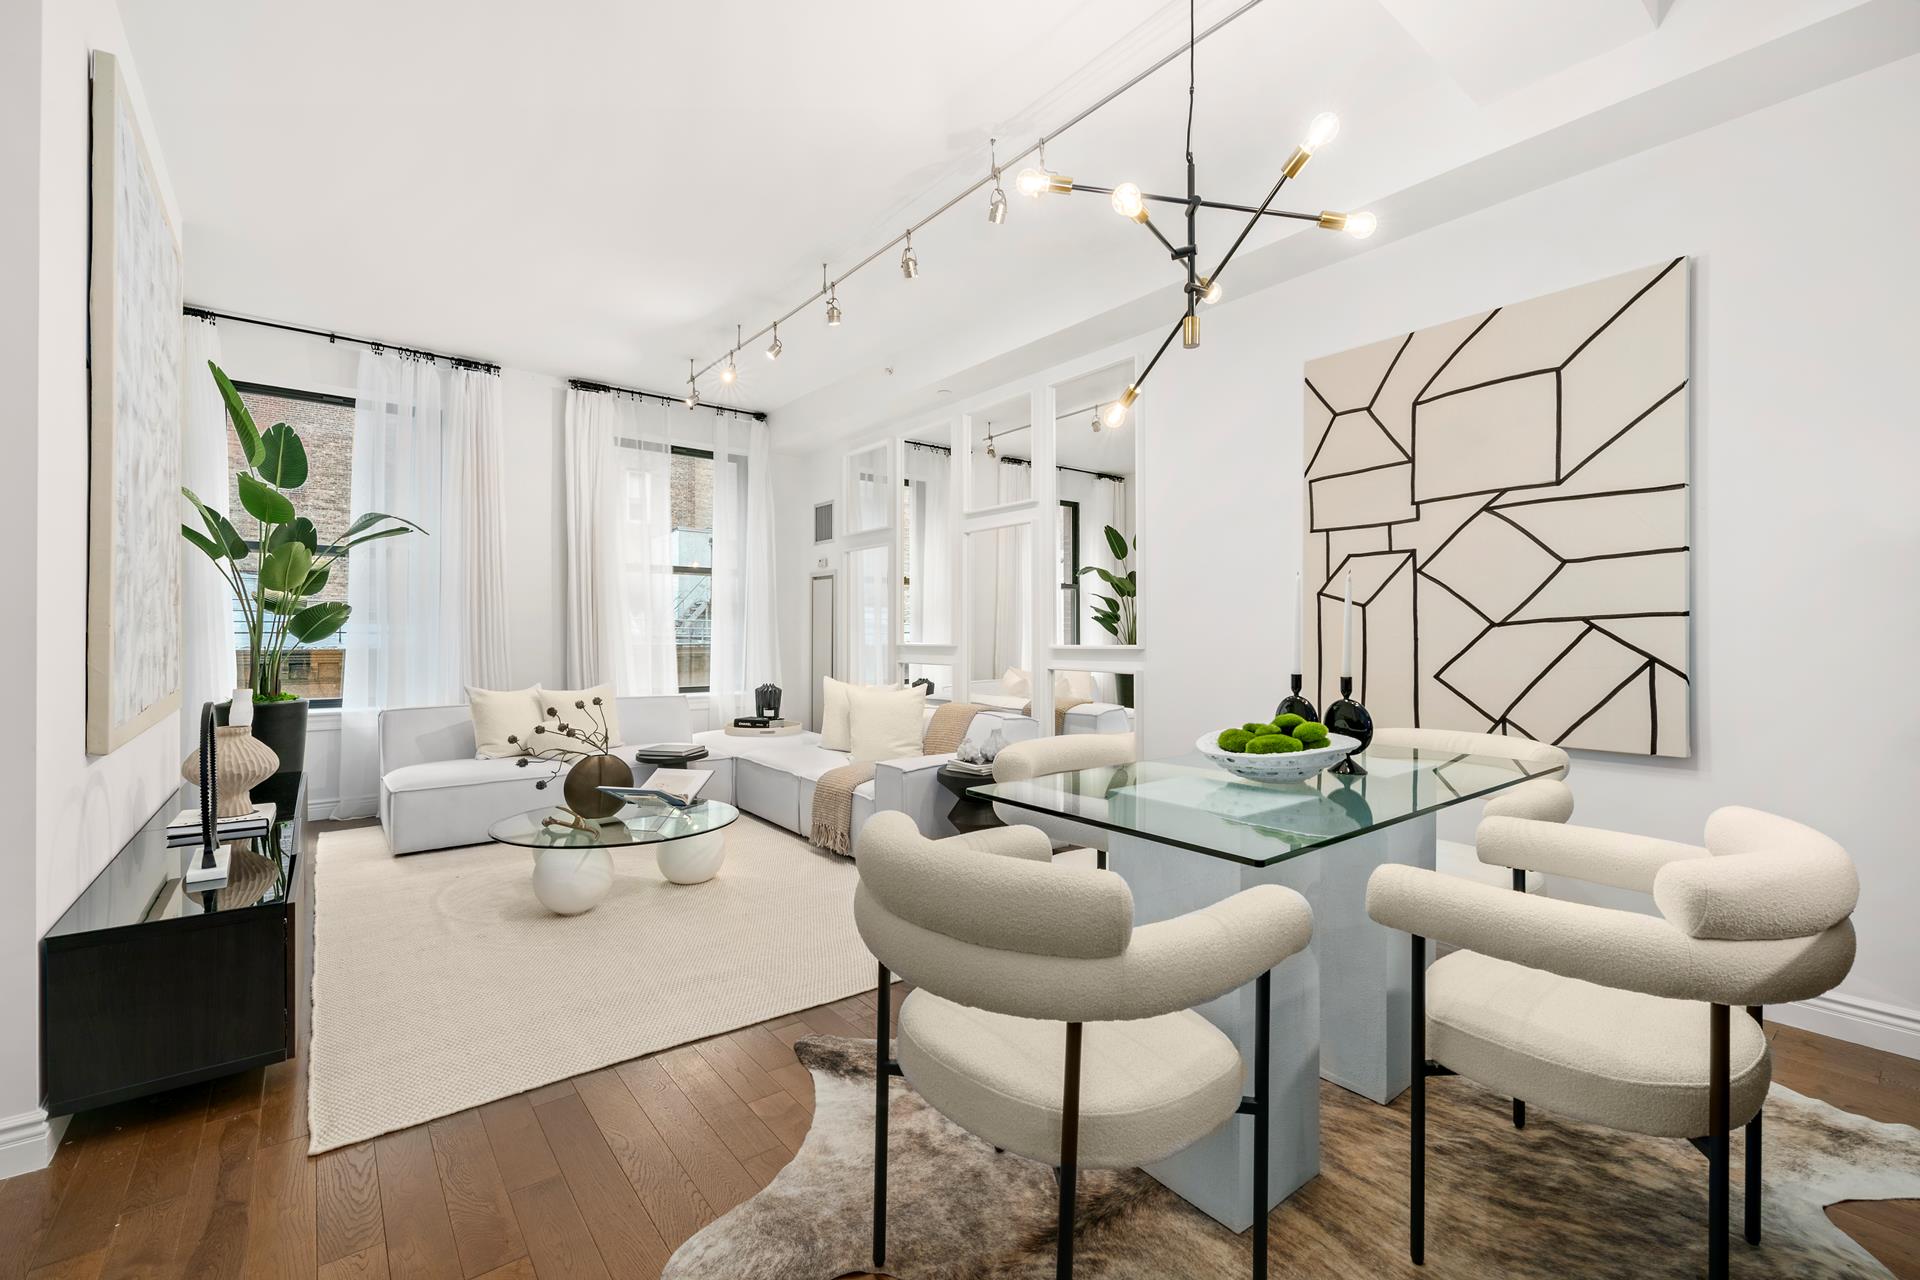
823	522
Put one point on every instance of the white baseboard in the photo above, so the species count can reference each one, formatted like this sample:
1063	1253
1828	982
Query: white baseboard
1855	1019
328	808
28	1141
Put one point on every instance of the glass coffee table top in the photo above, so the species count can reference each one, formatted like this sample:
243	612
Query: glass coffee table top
555	828
1194	804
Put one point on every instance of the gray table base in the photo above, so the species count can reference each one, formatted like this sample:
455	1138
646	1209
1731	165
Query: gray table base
1340	1008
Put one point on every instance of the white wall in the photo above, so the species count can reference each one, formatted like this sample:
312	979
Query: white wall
80	808
1805	448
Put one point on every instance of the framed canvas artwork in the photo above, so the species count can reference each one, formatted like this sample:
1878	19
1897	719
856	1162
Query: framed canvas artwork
1508	495
133	516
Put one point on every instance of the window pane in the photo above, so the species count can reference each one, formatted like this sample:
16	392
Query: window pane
326	430
692	495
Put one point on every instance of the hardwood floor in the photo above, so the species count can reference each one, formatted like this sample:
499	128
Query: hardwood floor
599	1176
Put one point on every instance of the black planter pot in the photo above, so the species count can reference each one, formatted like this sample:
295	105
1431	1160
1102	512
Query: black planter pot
282	726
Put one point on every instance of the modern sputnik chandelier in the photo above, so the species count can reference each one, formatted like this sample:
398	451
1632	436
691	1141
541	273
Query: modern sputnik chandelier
1127	200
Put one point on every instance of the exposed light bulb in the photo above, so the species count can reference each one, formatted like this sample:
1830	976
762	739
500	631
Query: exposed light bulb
1128	202
776	347
1211	292
729	373
1361	225
1115	414
1032	182
997	206
693	397
909	265
693	386
1324	129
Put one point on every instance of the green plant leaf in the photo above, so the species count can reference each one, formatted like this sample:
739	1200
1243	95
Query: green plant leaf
283	459
282	602
1121	586
286	567
249	435
316	622
372	518
218	527
300	530
344	547
1108	624
202	541
263	502
315	581
1109	604
1116	543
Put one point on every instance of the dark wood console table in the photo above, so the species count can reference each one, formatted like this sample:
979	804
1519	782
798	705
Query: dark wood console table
147	986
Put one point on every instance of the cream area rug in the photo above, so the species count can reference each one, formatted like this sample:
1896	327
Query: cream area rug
440	982
1554	1200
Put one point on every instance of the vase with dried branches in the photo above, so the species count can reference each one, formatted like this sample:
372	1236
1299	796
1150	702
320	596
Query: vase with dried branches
581	752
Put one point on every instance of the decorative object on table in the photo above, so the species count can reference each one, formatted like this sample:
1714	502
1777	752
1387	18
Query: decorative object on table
766	701
1118	614
983	752
670	754
1351	720
679	788
1294	704
751	722
1638	1197
277	602
209	867
1537	581
243	761
580	752
133	563
1272	752
773	729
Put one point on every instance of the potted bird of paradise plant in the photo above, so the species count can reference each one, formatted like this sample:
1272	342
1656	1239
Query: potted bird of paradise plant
276	598
1118	614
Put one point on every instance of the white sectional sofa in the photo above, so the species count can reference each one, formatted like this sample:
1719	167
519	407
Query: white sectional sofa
434	794
774	777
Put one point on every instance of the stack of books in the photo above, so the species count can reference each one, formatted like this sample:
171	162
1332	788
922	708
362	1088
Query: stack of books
968	766
185	829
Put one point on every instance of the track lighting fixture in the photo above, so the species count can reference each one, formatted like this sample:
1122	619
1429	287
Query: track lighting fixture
909	265
997	202
833	303
990	452
776	346
1035	182
693	388
729	373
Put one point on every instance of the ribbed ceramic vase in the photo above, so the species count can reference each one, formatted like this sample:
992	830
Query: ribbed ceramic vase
241	762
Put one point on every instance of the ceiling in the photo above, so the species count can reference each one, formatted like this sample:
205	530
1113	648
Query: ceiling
602	189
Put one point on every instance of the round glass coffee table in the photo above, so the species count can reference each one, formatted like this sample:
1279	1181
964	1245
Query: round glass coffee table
573	859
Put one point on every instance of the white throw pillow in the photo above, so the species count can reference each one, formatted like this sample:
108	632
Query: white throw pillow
886	723
836	731
590	719
499	714
1073	684
1015	682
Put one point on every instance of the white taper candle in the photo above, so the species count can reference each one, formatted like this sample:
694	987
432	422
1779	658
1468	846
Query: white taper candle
1346	631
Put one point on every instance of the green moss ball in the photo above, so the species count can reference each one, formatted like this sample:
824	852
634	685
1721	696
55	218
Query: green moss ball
1233	739
1257	727
1273	744
1287	723
1310	731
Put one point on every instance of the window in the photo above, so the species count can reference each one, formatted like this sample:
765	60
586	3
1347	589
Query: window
325	426
1069	560
692	494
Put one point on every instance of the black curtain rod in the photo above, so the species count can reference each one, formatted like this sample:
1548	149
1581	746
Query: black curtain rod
581	384
1061	466
458	362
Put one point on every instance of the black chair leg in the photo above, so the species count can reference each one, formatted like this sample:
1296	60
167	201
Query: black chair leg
1753	1157
1262	1068
1069	1153
1417	1190
1100	859
880	1072
1718	1115
1519	1107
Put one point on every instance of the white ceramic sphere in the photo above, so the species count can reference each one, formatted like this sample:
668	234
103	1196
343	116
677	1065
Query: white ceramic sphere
693	859
570	881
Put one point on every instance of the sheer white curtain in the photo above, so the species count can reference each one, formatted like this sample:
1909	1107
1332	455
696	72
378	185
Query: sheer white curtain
746	638
206	601
475	554
403	645
620	599
930	597
1013	599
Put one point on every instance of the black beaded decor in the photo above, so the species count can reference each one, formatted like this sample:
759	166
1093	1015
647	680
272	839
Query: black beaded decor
1349	717
1295	705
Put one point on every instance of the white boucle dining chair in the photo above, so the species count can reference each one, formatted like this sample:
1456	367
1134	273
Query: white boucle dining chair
1101	753
1617	1018
1044	1023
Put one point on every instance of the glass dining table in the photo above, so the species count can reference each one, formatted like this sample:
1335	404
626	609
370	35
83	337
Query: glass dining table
1184	834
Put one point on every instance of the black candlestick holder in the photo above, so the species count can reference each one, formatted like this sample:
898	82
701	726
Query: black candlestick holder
1295	705
1350	718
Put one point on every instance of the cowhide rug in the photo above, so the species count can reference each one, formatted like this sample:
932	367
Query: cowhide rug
1555	1200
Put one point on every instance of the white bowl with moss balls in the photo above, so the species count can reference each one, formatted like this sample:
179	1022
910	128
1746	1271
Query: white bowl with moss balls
1270	752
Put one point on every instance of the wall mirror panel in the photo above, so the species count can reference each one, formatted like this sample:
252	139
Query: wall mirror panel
938	675
870	604
999	564
869	488
928	537
1097	488
1107	696
1000	454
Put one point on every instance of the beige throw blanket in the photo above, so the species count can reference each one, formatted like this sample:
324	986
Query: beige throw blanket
833	793
1060	710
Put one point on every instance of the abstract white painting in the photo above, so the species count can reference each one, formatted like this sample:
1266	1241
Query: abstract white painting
1508	492
133	548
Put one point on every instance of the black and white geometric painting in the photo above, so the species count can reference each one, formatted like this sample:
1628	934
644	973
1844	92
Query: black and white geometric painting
1509	494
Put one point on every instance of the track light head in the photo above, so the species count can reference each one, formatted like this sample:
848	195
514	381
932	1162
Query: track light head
1128	202
909	265
997	206
776	346
833	313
